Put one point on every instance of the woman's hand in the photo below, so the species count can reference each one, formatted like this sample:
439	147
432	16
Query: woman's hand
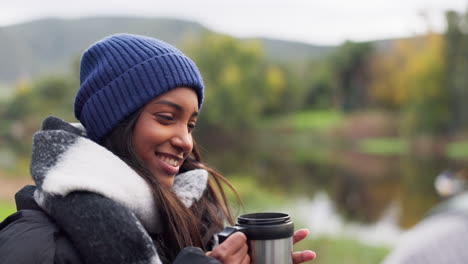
232	250
304	256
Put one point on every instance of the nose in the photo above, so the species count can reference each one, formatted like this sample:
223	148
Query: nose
182	140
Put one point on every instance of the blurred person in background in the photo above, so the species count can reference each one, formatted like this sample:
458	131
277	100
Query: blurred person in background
126	184
441	237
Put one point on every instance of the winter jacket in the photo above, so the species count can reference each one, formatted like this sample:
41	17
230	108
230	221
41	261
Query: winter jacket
439	238
88	206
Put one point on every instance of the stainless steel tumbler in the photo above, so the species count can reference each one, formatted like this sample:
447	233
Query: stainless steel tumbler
269	236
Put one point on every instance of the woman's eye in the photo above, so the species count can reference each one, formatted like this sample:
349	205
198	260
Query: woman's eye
191	127
164	117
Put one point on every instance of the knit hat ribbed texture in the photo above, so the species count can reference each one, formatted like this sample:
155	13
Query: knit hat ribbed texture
123	72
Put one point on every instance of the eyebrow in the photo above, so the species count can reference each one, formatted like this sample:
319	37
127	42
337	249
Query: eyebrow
174	105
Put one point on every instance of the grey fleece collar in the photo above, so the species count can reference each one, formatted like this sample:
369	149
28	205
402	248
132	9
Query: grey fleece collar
64	161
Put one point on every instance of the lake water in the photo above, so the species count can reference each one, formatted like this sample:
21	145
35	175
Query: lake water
339	191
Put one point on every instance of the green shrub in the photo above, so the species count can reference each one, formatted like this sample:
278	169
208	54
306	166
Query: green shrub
383	146
339	250
458	150
6	209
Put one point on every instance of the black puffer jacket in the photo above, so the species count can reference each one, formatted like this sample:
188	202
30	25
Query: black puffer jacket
30	236
88	206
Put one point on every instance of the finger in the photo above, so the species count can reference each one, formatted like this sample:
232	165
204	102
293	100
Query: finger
240	254
234	246
246	259
304	256
300	235
236	240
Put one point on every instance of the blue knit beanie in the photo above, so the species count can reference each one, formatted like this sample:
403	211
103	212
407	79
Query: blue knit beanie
123	72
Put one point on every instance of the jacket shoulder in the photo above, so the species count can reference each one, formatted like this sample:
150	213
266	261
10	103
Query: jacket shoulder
30	236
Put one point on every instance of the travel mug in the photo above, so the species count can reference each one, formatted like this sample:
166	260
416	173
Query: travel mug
269	236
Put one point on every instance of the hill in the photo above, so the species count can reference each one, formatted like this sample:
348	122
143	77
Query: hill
46	45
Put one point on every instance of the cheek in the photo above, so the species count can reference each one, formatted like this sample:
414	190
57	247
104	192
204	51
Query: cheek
147	135
138	146
140	138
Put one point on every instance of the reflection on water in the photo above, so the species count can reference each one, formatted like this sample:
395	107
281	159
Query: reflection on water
320	216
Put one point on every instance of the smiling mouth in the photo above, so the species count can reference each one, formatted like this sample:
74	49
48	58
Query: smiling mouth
175	162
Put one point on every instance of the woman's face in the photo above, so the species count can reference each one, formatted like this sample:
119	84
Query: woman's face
162	136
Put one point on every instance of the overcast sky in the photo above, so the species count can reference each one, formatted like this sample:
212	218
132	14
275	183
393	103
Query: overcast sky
313	21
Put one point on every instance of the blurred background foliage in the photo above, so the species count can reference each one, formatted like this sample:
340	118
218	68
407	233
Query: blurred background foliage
366	125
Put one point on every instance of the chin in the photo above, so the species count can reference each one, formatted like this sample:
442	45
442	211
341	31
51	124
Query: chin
167	180
168	183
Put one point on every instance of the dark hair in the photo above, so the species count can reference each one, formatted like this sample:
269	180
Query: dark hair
184	227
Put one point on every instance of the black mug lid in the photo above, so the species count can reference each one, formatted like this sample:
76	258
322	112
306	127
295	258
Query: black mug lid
268	218
265	226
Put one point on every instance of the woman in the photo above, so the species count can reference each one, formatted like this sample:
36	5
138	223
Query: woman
127	184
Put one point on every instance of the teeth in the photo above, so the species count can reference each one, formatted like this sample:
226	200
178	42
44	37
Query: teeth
170	161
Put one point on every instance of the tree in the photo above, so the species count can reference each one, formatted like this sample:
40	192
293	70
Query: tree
242	85
32	102
456	68
408	78
320	82
350	68
427	108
